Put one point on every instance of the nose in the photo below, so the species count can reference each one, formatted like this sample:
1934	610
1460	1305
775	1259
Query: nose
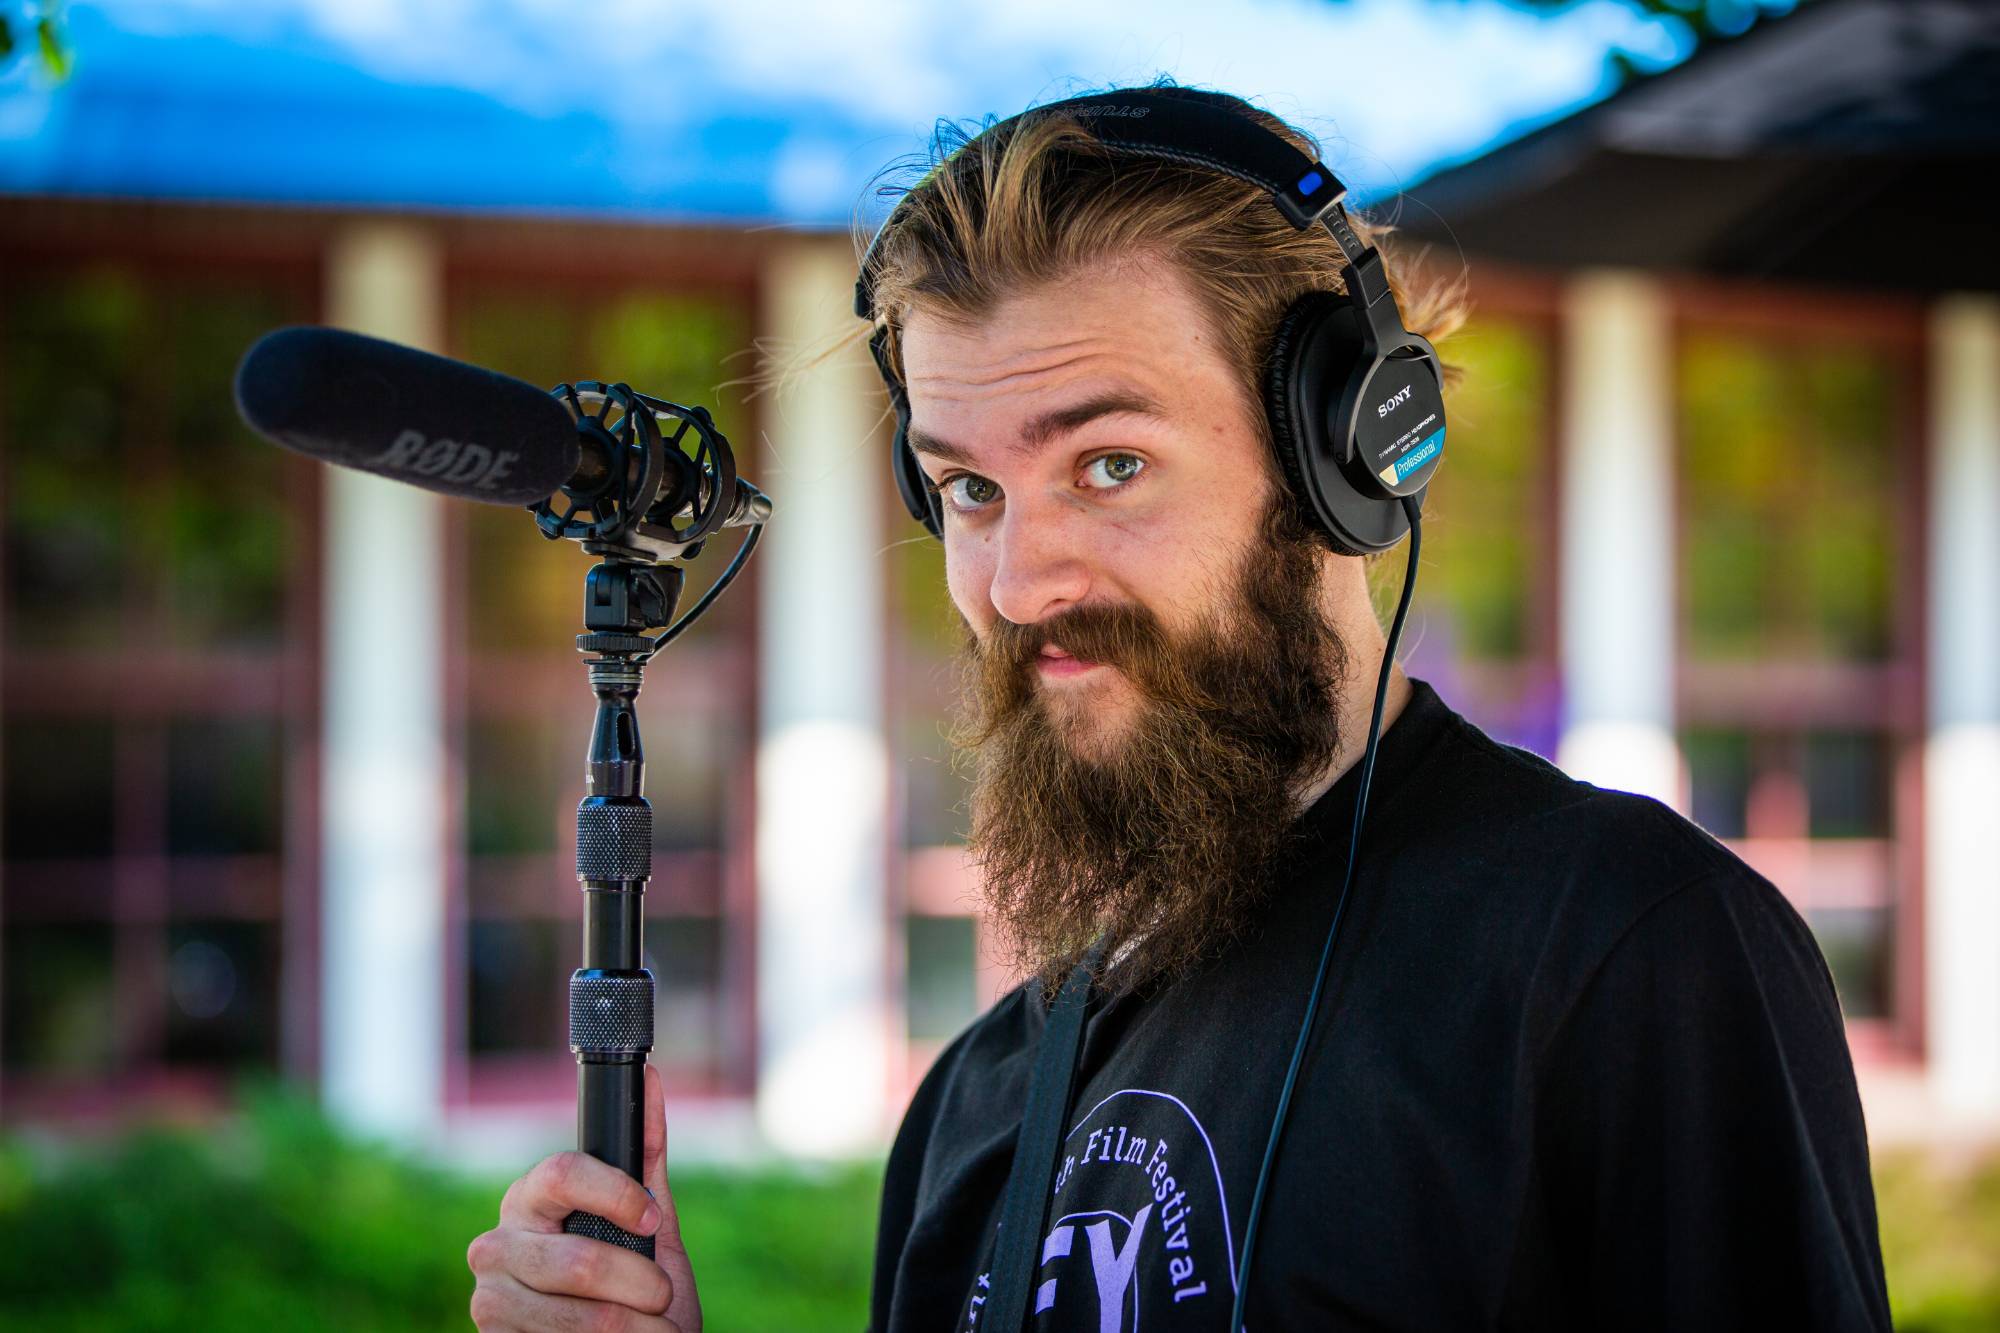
1038	564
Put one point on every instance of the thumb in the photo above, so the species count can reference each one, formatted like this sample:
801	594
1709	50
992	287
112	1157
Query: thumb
668	1250
654	1174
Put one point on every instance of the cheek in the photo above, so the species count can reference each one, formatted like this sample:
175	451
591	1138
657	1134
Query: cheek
1151	560
968	576
1180	572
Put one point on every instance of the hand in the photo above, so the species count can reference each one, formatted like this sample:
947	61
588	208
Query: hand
532	1277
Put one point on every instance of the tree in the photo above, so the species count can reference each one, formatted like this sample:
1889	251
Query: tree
1706	18
1701	21
23	22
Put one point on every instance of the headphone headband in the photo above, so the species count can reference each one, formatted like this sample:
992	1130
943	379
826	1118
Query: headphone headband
1182	127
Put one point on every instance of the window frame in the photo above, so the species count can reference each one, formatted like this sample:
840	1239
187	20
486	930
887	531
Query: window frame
1889	698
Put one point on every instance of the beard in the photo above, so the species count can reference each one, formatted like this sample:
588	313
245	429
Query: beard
1159	837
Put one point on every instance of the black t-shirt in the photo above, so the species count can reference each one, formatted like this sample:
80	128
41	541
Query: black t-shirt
1576	1066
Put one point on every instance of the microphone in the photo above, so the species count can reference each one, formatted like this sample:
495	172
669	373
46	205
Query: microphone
380	407
444	425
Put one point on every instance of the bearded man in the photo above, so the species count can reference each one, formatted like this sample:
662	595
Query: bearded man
1573	1065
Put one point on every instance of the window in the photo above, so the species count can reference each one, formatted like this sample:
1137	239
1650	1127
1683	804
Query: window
1482	626
950	971
1799	629
156	639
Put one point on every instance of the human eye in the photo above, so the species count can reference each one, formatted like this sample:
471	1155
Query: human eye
966	492
1109	471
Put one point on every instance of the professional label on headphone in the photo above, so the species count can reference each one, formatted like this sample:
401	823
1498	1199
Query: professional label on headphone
1394	474
1399	424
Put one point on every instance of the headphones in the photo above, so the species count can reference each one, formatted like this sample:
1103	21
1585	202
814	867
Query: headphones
1355	400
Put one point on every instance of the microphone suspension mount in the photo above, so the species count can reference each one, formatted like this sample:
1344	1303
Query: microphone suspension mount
637	491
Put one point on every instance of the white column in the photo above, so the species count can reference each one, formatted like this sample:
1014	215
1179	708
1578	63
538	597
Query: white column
823	1009
382	1034
1962	751
1616	540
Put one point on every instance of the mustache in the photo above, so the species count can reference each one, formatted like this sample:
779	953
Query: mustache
1124	635
1112	633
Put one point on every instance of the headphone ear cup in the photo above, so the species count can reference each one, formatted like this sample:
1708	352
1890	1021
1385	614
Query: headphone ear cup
1289	399
911	483
910	479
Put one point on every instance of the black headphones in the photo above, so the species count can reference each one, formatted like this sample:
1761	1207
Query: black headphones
1355	400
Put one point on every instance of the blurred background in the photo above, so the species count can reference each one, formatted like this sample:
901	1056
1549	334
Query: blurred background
289	758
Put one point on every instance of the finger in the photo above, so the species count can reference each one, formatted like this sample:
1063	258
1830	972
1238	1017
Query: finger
572	1266
654	1169
579	1266
503	1303
568	1182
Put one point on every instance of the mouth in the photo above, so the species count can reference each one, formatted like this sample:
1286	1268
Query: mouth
1053	662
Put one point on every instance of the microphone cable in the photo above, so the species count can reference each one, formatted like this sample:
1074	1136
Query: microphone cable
722	580
1410	509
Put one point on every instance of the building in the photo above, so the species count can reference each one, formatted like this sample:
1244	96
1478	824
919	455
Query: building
1777	443
290	754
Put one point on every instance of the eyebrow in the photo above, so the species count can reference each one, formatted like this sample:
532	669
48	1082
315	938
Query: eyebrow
1046	427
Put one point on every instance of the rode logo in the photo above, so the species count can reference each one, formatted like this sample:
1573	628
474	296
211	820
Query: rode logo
1385	409
447	460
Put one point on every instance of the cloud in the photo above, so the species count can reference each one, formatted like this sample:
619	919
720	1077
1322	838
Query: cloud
1390	86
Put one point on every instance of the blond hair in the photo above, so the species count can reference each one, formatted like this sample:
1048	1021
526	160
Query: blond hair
1028	202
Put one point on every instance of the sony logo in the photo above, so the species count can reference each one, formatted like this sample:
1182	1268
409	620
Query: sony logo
447	460
1386	408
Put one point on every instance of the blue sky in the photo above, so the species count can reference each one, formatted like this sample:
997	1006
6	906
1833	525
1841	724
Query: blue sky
740	110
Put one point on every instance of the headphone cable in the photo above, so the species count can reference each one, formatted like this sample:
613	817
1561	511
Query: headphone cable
1411	507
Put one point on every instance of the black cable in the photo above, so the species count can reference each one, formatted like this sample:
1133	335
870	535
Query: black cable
1410	508
722	581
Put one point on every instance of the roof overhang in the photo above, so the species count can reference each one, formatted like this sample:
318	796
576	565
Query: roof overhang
1852	143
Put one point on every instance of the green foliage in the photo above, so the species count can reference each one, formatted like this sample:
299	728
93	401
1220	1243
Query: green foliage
1940	1242
1705	20
1482	513
278	1221
274	1223
1696	22
1788	474
43	19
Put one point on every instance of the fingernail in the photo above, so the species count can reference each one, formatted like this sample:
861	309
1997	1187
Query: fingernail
650	1223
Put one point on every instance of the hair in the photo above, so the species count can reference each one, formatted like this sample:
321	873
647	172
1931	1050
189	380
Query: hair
1022	205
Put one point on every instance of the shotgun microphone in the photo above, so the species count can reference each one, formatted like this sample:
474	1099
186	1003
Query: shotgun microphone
444	425
412	416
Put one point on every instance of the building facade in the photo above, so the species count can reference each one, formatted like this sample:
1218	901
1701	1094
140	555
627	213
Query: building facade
289	756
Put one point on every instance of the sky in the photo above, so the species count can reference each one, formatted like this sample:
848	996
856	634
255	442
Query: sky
743	110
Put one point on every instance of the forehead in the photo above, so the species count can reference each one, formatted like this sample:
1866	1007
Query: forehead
1130	326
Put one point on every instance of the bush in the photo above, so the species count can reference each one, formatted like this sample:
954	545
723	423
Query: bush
1940	1242
284	1223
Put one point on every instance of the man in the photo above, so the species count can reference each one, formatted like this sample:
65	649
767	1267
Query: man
1575	1066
